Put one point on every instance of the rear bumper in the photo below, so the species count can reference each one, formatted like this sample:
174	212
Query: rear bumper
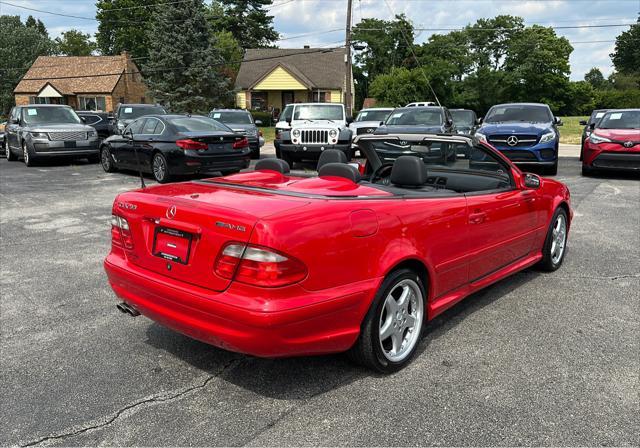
311	151
245	319
181	163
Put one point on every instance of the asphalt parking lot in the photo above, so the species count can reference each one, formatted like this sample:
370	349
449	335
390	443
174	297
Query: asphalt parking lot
537	359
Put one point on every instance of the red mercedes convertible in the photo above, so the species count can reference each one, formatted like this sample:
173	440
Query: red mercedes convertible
357	259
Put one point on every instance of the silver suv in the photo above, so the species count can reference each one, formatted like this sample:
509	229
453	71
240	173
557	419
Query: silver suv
39	131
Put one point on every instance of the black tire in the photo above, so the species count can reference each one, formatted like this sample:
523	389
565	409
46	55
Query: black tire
94	159
160	168
553	169
27	155
255	154
287	158
550	262
229	172
278	154
106	161
368	349
587	171
581	148
11	157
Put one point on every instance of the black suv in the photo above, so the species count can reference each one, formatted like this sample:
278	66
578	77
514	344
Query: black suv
126	113
418	120
98	121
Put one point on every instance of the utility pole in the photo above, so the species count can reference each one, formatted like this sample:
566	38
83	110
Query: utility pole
348	94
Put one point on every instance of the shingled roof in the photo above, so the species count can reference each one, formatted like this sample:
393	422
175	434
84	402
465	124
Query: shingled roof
74	74
317	68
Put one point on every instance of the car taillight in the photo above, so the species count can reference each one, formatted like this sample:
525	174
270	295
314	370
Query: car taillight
241	143
258	266
120	232
191	144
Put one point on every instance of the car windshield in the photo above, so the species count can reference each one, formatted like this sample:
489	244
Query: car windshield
44	115
195	124
529	114
286	113
440	155
462	117
317	112
232	117
596	116
622	119
415	117
373	115
131	112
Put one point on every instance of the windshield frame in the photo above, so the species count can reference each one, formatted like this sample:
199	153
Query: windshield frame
25	115
318	106
159	110
387	112
412	111
469	112
613	112
171	121
238	113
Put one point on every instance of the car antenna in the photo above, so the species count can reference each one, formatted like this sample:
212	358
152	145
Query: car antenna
135	151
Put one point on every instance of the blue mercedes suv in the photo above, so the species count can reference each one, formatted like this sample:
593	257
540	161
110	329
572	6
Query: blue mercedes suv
527	133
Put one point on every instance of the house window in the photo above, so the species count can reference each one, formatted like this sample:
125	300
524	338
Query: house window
39	100
259	100
320	96
91	103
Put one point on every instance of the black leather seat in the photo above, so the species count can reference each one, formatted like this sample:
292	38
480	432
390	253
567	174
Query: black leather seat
408	172
331	156
278	165
340	170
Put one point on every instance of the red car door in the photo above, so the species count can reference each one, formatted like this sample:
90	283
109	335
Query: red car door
502	228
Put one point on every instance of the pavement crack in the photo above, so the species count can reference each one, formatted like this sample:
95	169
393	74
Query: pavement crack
158	398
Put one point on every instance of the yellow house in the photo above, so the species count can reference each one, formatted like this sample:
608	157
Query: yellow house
271	78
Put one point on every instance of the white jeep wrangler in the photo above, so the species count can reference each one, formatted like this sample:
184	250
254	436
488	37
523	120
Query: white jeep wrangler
312	128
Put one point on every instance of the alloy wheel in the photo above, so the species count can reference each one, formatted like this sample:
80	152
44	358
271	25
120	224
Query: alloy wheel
401	320
104	160
159	168
558	239
25	154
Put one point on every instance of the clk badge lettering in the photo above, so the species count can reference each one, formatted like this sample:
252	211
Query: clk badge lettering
171	212
127	206
628	144
226	225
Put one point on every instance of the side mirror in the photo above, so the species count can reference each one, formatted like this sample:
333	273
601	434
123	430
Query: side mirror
592	126
532	181
583	122
349	120
13	121
128	134
479	120
258	122
84	119
558	121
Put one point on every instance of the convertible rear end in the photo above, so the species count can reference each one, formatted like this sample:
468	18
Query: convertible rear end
187	256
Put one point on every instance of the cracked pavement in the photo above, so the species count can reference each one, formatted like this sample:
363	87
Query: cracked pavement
537	359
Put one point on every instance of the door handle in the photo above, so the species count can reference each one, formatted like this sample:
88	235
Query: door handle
477	217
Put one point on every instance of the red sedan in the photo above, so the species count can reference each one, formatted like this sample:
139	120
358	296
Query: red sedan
614	143
359	260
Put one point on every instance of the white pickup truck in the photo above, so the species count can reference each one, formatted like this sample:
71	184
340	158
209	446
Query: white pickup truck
307	129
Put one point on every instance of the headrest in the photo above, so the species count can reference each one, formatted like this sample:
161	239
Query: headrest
340	170
278	165
408	171
331	156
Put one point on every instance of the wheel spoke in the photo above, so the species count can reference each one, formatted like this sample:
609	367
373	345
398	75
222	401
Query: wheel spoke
396	339
403	301
387	328
411	321
391	305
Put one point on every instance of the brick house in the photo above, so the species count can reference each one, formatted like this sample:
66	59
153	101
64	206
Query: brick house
271	78
83	82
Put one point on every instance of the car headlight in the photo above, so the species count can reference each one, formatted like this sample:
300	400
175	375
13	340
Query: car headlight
333	133
548	137
40	135
481	137
121	126
92	134
296	132
596	139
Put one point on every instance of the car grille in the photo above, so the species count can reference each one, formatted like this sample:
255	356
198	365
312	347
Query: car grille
314	136
524	141
365	131
519	156
69	135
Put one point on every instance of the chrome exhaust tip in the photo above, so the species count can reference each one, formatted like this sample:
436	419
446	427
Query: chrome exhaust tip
124	307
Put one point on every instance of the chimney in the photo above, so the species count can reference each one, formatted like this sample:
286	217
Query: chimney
306	47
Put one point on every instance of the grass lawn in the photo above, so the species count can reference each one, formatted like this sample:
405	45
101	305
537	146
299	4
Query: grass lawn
571	130
268	134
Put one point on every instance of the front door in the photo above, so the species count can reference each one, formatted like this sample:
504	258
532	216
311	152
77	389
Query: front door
287	98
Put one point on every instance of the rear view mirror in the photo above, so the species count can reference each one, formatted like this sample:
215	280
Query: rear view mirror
583	122
532	181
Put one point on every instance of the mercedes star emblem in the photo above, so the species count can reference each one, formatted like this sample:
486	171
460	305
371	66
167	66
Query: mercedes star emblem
370	131
512	140
171	212
628	144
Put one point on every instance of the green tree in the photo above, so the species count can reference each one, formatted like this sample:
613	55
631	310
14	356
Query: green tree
247	20
230	51
385	45
31	22
595	78
123	24
490	39
74	43
399	86
626	56
20	45
184	66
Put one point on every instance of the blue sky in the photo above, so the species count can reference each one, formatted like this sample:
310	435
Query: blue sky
316	17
